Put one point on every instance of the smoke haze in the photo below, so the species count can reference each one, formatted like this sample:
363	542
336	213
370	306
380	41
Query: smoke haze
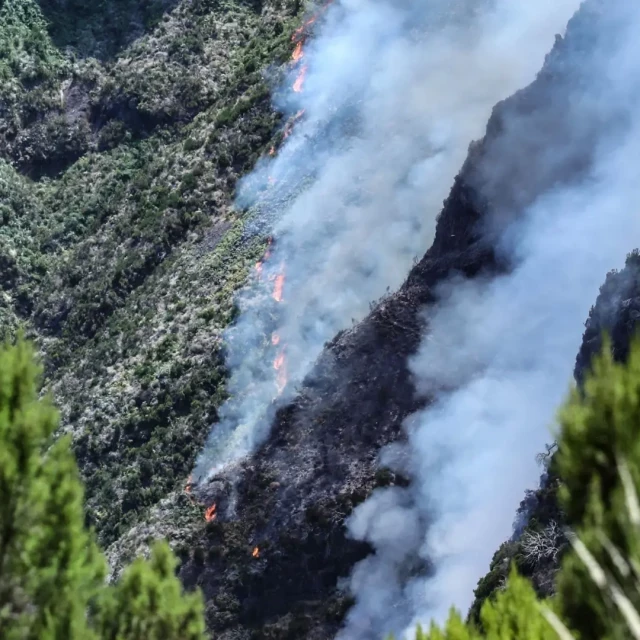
393	95
507	345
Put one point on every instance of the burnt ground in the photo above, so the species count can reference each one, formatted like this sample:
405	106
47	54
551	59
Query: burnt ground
292	497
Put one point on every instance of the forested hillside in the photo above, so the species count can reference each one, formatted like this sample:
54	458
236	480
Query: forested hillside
123	130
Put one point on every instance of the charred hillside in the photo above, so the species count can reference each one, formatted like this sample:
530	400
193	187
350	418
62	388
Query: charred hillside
271	562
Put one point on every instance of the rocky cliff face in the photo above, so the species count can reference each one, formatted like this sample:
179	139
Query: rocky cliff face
615	313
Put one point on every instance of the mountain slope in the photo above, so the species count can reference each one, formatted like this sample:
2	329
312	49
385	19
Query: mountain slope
360	391
121	148
121	260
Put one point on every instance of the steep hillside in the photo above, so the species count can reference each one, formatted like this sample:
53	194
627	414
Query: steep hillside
538	541
273	569
121	259
124	128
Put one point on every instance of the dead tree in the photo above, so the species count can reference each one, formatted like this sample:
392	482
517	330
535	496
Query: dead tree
543	545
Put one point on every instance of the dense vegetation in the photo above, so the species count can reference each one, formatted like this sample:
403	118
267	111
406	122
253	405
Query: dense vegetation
124	127
52	575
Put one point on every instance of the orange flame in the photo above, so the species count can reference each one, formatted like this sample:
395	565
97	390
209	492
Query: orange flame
278	287
299	83
256	552
189	484
299	32
272	151
298	52
279	364
210	514
275	339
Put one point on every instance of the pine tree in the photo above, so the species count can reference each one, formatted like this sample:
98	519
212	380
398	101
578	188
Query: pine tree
599	463
147	603
52	574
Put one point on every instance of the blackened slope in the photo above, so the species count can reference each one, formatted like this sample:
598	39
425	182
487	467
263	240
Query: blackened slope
320	461
616	313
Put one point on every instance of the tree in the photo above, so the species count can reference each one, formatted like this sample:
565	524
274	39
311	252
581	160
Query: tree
599	463
598	459
52	574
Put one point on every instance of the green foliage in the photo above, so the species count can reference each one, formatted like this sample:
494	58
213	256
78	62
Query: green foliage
600	447
147	604
598	462
26	50
50	568
51	571
515	613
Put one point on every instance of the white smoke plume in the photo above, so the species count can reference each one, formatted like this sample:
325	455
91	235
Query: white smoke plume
395	92
508	346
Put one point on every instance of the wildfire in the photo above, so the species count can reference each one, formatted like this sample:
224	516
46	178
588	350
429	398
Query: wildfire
256	552
210	513
275	339
298	52
278	287
299	83
300	31
280	365
189	485
265	257
272	151
279	362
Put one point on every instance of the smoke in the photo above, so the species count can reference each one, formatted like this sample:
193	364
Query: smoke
394	93
506	346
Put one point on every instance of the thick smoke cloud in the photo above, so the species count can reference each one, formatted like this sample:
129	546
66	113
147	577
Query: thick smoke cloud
507	346
395	92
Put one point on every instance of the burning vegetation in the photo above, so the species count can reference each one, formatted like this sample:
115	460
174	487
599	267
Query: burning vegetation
210	514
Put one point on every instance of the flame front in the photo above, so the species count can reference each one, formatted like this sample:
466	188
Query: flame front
280	365
298	52
256	552
275	339
189	484
278	287
210	513
299	83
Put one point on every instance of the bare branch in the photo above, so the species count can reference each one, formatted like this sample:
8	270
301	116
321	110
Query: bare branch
543	545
